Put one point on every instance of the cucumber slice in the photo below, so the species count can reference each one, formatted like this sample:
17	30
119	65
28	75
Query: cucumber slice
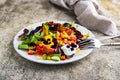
23	46
59	55
55	58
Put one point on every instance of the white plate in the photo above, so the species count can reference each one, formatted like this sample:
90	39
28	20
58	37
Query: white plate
34	58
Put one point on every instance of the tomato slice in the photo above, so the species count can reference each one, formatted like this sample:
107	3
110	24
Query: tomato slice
48	50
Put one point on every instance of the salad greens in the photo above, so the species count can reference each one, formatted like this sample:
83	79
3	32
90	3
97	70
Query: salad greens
52	41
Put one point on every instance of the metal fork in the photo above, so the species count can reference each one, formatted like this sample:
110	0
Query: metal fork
94	43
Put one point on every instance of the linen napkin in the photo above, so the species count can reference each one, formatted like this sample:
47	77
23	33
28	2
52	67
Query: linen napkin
87	15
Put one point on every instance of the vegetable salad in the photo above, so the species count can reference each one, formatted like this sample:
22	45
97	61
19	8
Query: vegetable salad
52	41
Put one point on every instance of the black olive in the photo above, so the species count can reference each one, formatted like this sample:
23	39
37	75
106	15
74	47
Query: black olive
26	31
66	25
53	27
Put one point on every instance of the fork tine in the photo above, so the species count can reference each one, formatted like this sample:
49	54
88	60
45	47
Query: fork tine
87	47
84	41
86	44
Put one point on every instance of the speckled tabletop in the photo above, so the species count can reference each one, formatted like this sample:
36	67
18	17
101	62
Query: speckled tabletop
102	64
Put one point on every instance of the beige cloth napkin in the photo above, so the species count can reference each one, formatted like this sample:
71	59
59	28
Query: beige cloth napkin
87	15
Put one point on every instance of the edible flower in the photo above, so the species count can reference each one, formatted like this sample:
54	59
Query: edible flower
33	31
69	49
86	36
48	41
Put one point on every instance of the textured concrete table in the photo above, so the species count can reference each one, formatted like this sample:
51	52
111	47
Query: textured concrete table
102	64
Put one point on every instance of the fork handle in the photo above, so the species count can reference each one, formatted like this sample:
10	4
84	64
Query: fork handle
112	44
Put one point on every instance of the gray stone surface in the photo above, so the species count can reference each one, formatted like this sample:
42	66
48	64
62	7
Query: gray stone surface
102	64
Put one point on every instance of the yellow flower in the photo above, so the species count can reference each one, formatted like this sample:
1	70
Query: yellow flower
86	36
48	37
48	41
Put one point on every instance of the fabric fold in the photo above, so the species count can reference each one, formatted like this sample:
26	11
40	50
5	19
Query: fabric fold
87	15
